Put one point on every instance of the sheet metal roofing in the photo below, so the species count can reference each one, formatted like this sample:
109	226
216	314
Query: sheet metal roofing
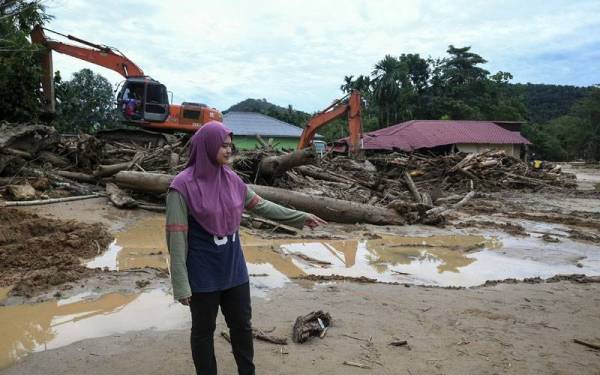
252	123
416	134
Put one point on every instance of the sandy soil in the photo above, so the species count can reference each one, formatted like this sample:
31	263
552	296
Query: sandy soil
503	329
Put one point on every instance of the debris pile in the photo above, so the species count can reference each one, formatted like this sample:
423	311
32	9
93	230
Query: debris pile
36	163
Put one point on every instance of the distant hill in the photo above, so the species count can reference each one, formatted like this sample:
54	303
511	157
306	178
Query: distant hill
289	114
543	103
546	102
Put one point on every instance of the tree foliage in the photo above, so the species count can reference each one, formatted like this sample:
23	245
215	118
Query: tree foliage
84	103
575	135
454	87
19	68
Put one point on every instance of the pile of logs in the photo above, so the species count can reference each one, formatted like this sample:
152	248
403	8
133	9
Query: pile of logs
380	189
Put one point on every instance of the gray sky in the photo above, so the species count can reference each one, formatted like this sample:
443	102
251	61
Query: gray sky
298	52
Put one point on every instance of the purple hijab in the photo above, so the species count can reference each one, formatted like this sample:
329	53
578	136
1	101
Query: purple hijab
214	194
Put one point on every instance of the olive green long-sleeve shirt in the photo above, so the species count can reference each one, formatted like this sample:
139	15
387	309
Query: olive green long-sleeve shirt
177	227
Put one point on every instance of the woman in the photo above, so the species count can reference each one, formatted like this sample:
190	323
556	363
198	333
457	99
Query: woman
204	209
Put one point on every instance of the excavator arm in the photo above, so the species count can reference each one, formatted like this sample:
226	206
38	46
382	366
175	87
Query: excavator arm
97	54
333	112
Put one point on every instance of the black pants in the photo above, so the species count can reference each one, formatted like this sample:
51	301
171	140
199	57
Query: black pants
235	306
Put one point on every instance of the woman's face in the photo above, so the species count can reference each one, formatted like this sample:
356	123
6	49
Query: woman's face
225	151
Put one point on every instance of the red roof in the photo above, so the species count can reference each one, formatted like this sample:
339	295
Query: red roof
417	134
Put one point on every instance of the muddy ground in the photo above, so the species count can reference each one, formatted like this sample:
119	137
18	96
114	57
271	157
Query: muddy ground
37	253
511	328
504	329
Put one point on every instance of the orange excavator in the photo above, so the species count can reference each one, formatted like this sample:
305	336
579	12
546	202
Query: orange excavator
337	110
142	101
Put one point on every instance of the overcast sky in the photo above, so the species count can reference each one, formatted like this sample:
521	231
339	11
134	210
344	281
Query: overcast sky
298	52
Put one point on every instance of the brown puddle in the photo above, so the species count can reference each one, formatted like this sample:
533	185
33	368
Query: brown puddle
4	292
141	245
36	327
444	260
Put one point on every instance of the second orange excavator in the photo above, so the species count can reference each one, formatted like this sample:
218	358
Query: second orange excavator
142	101
337	110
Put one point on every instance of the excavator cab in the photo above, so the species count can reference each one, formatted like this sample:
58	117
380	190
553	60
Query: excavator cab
143	99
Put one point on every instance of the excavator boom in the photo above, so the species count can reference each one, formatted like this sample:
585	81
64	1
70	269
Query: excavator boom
99	55
333	112
142	101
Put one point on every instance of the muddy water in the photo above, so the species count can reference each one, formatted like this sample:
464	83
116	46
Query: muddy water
38	327
443	260
4	292
456	260
141	245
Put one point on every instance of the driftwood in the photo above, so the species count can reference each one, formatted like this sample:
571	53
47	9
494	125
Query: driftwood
109	170
260	335
588	344
398	343
273	226
274	166
143	181
320	174
19	153
404	207
412	187
119	198
56	160
77	176
357	364
331	209
446	210
312	324
48	201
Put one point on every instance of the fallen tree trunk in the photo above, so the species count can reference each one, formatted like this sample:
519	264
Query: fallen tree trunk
330	209
273	166
143	181
109	170
77	176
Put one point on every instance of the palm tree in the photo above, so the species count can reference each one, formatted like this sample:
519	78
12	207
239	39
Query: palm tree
387	78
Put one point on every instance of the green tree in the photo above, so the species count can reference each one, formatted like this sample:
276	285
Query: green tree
85	103
572	136
19	69
459	85
588	110
387	76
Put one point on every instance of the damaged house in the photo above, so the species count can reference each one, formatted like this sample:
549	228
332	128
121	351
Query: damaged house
446	136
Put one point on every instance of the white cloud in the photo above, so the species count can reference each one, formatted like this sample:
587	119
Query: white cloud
297	52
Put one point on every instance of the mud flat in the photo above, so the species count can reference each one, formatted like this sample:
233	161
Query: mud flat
503	329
